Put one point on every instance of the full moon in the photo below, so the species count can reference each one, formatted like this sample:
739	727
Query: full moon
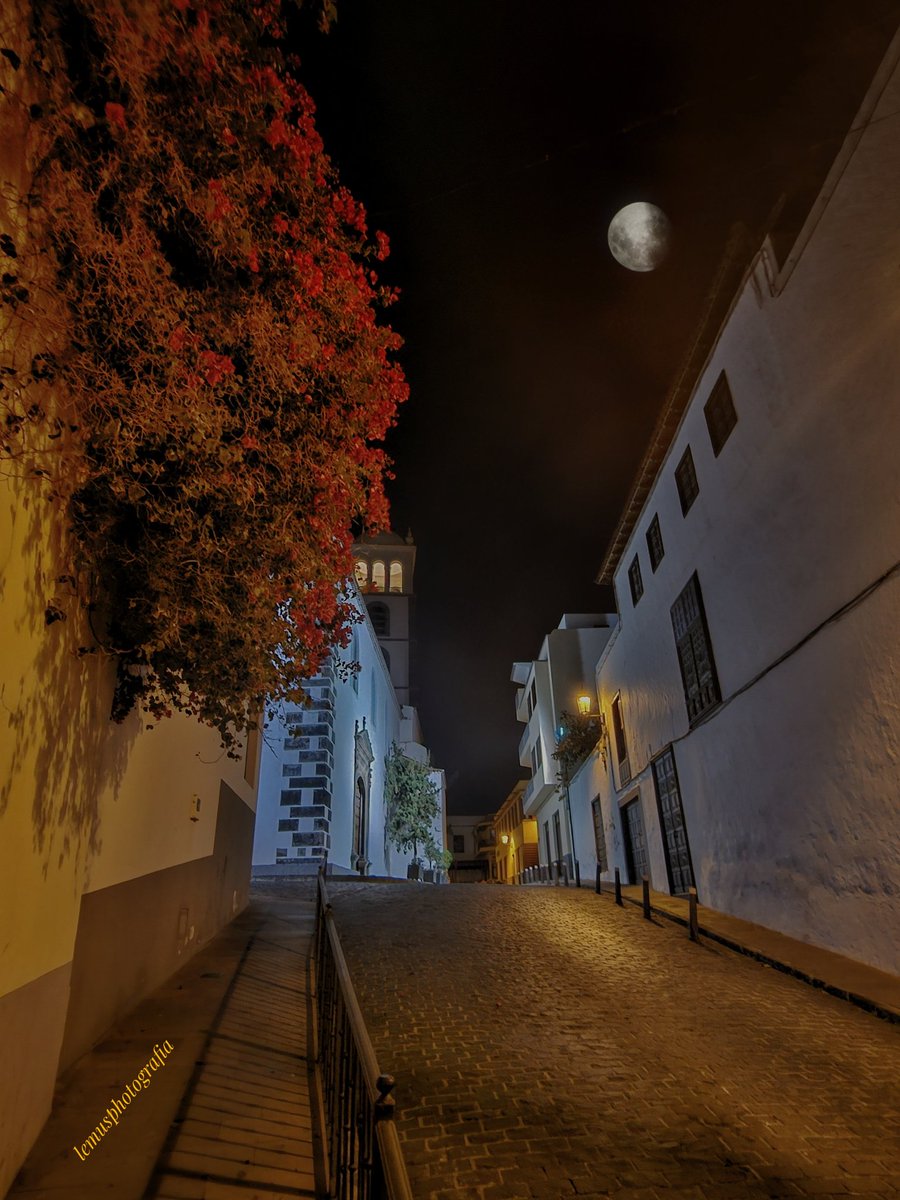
639	236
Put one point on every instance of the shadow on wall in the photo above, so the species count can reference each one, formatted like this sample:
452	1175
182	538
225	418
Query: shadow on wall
58	749
64	751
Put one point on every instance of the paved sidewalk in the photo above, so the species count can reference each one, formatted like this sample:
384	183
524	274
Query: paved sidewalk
548	1044
227	1116
871	989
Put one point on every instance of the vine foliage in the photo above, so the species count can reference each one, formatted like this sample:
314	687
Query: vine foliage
579	737
220	356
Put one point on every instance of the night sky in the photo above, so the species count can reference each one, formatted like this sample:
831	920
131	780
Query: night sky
493	142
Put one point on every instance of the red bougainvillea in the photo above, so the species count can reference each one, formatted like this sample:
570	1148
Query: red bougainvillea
230	373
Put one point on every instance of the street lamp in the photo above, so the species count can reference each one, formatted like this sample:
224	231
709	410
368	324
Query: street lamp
584	705
504	838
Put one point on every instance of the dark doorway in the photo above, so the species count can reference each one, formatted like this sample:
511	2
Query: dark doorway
635	842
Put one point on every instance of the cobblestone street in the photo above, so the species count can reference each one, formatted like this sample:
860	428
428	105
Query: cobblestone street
548	1044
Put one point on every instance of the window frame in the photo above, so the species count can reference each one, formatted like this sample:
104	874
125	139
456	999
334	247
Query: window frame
699	676
654	540
620	742
720	413
635	580
380	616
686	480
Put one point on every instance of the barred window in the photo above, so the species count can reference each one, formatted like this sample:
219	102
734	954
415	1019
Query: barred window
635	582
695	654
655	547
686	481
720	415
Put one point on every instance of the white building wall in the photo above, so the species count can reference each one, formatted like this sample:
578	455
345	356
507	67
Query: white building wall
789	788
563	671
364	705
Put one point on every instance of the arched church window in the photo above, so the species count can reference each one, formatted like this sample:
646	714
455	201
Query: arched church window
396	577
380	616
378	576
361	571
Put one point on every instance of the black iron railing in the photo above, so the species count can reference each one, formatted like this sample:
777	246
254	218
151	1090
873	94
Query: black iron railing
363	1157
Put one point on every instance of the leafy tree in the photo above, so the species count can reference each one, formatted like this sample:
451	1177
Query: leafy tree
218	378
437	857
411	802
580	735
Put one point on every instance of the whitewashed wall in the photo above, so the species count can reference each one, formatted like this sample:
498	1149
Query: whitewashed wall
789	789
366	701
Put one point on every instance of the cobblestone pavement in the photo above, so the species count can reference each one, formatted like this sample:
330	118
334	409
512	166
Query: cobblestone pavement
548	1044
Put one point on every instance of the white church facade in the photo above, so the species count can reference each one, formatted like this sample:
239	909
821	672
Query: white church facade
322	770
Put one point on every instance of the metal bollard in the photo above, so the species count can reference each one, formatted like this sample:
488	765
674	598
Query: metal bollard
693	926
565	868
645	885
577	873
619	900
598	886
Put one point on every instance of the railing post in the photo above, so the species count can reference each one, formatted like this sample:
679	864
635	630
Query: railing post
693	926
645	888
577	873
384	1105
364	1156
565	867
618	889
598	886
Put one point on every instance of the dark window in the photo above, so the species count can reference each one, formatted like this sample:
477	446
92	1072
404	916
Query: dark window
557	836
599	836
695	655
288	826
655	547
620	743
387	658
720	415
634	580
281	853
671	815
380	617
537	757
686	481
532	698
459	843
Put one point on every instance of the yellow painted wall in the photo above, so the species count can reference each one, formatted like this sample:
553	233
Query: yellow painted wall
84	803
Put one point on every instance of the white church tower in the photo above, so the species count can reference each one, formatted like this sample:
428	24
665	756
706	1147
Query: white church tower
385	564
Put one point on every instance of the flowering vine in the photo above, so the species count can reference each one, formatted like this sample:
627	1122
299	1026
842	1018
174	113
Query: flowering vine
222	353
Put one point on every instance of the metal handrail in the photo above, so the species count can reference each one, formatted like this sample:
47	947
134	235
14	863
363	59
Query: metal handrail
364	1160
